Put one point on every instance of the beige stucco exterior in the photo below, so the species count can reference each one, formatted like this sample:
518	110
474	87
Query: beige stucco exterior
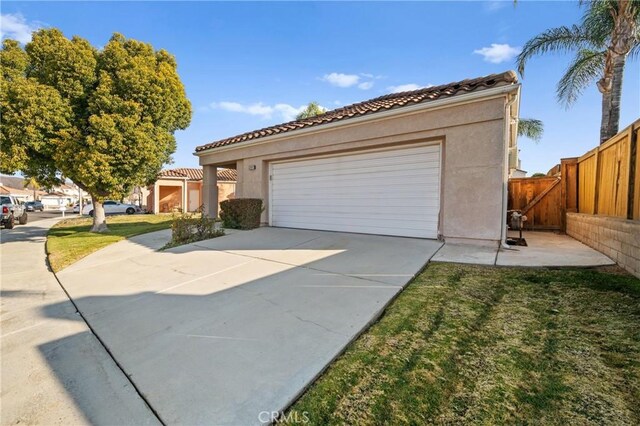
170	194
475	137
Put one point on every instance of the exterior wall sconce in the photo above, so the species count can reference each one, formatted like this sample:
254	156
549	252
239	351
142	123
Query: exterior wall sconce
252	167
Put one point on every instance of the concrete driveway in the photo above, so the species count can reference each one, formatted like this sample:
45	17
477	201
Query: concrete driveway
222	330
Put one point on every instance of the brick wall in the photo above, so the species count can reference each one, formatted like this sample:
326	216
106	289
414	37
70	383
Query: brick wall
615	237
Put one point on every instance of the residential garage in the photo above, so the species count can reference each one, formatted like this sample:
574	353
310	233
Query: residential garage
429	163
392	191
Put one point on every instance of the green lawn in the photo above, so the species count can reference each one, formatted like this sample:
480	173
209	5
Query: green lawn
471	344
70	240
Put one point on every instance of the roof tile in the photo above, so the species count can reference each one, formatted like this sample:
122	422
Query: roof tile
372	106
195	173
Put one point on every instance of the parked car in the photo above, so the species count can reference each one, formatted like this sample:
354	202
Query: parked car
113	207
34	206
11	210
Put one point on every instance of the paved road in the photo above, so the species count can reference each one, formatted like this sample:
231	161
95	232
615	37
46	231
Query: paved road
54	370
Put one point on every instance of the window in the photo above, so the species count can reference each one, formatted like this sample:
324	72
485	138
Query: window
110	203
5	200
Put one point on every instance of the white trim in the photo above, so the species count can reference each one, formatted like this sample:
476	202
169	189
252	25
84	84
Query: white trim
494	92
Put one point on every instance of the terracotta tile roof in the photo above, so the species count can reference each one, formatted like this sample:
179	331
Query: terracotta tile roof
230	175
16	191
193	173
382	103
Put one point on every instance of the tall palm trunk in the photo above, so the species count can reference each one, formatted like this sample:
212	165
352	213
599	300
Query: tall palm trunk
616	94
605	117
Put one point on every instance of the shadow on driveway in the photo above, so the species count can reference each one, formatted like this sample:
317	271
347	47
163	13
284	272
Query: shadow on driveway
219	331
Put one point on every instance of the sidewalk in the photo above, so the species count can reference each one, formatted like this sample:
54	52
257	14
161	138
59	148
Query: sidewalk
544	249
54	370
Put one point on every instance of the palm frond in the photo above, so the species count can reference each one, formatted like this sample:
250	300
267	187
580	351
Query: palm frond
599	21
530	128
561	39
587	66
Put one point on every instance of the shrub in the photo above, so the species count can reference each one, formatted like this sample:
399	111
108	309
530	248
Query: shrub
189	228
241	213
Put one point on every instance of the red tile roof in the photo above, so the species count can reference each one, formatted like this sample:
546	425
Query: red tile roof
192	173
382	103
230	175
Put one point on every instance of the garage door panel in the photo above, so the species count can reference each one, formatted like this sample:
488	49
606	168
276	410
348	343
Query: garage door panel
397	178
365	157
404	188
393	192
365	167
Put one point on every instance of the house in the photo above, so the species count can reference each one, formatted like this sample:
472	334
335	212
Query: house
20	194
429	163
180	187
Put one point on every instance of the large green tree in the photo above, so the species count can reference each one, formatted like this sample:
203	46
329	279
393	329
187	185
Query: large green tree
607	34
103	118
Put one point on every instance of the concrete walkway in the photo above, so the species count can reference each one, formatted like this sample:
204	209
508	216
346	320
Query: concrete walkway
223	330
54	370
543	249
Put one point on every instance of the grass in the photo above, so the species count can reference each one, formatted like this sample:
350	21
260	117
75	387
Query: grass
485	345
70	240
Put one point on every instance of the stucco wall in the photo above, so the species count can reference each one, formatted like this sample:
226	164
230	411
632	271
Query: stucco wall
170	198
472	137
614	237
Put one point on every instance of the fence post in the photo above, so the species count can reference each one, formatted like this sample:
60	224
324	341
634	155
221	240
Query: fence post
568	189
596	181
632	198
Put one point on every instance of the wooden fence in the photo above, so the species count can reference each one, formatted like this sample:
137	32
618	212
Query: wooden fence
606	180
539	199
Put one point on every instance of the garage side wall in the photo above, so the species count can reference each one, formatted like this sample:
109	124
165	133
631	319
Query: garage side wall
472	137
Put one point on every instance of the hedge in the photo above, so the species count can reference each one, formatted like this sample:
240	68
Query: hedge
241	213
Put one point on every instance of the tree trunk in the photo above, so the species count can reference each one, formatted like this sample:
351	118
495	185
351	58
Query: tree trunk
99	217
604	119
616	95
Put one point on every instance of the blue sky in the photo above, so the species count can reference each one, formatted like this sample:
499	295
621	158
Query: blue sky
250	65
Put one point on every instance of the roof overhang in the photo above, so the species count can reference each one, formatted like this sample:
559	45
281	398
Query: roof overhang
485	94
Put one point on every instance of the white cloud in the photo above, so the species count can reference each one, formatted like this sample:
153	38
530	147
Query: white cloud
281	111
341	80
16	27
492	6
403	88
348	80
406	87
498	53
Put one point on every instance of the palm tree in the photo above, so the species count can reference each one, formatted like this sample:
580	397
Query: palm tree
608	32
311	110
32	183
530	128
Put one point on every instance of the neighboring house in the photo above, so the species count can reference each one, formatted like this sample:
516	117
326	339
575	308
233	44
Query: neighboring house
20	194
429	163
180	187
54	200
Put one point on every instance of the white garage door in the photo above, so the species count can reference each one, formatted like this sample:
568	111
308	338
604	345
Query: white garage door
391	192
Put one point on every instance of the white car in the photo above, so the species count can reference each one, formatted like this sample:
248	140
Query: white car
112	207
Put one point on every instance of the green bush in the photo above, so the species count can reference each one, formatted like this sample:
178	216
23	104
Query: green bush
241	213
189	228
